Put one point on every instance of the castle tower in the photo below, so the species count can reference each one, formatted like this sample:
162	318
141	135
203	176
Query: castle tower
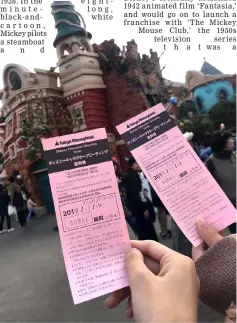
79	69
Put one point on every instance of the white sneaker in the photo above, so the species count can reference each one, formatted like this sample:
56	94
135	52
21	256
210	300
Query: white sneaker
1	232
12	229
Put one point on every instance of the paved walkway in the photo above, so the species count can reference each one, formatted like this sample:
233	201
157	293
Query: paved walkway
34	285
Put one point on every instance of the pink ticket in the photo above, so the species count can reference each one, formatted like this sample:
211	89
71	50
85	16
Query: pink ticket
176	173
90	217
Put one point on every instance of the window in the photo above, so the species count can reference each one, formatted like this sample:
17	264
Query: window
9	128
12	151
77	117
65	50
199	103
15	80
84	46
1	145
21	116
222	95
6	157
20	145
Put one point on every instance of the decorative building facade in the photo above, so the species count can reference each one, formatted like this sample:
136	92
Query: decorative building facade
20	87
210	86
210	93
101	86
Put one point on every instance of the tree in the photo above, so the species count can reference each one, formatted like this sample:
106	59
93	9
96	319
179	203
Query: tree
200	125
223	112
187	107
46	117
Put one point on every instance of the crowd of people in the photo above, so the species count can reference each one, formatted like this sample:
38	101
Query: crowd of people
219	156
16	202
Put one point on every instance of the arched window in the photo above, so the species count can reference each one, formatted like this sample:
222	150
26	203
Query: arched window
65	50
84	45
222	95
199	103
15	80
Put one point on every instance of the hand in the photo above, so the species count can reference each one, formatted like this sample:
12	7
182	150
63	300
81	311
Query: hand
146	215
163	285
208	234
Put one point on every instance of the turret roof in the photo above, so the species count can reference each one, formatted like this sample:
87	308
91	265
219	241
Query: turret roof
208	69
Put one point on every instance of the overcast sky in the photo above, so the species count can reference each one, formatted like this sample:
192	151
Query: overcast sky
177	62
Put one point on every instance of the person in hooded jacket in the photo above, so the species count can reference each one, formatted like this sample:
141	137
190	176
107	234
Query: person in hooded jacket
133	187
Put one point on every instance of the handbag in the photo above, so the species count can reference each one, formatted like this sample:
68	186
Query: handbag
11	210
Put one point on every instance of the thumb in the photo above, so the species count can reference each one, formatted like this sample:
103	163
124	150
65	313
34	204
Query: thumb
137	270
207	232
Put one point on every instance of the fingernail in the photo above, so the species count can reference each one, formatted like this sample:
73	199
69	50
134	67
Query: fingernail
132	250
128	314
107	300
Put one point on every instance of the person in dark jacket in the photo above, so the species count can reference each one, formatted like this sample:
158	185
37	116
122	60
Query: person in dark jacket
4	202
162	214
131	220
133	186
17	200
222	165
149	205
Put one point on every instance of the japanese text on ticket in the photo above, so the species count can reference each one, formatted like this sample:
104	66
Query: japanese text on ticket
176	173
89	213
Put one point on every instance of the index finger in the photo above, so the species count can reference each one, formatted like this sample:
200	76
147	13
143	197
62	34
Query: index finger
117	297
152	249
